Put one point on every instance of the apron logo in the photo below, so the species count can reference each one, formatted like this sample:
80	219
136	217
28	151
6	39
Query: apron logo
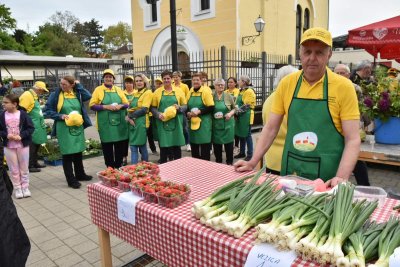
305	141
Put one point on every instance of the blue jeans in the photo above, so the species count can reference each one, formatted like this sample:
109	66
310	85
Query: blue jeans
135	153
249	141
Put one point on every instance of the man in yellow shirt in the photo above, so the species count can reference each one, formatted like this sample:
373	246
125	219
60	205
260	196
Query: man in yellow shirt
29	101
323	118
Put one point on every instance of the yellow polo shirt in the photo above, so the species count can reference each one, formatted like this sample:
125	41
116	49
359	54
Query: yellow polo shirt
249	98
183	87
145	98
159	92
234	92
98	94
205	93
27	100
273	157
342	98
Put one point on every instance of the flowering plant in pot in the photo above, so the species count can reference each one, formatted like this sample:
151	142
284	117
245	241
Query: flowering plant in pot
382	103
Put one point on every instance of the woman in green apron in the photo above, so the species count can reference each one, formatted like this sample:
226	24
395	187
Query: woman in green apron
169	130
138	118
29	100
233	91
129	90
223	131
110	104
245	102
61	103
200	108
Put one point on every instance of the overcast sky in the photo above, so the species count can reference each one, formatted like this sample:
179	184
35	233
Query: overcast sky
344	15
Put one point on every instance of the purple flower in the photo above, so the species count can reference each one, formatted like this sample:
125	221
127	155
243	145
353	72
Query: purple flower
384	105
385	95
368	102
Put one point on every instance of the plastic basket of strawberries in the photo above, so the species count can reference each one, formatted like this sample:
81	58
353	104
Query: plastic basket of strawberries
173	195
145	187
124	182
110	176
141	169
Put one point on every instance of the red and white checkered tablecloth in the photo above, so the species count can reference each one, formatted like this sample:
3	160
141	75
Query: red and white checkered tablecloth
175	236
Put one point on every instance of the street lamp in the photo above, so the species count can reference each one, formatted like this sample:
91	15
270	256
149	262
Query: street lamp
259	25
129	46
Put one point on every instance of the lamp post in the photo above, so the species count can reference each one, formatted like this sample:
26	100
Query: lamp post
259	24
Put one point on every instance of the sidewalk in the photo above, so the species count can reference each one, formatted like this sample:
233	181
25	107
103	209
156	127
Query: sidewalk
57	218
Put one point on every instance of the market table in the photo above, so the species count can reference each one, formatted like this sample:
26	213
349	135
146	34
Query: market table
174	236
380	153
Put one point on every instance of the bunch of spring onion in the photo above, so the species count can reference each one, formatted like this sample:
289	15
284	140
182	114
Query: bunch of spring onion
292	221
389	240
347	218
307	246
362	246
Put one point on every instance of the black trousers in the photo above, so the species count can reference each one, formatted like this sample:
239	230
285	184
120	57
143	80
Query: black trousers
228	153
126	147
113	153
201	151
33	156
171	153
73	167
150	138
361	173
237	139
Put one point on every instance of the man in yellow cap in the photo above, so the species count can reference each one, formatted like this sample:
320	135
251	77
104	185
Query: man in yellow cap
29	101
392	79
322	140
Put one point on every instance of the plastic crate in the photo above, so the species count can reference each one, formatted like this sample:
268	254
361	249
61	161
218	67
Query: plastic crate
107	181
370	193
173	202
124	186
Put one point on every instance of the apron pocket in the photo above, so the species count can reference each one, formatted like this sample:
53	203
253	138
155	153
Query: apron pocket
307	167
114	118
170	125
75	130
219	124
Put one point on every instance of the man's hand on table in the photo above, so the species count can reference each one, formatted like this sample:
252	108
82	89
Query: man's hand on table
335	181
242	166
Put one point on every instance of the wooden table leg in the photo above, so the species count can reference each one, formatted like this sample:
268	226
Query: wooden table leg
105	248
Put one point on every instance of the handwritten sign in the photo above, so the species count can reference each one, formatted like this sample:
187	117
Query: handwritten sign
266	255
394	260
126	206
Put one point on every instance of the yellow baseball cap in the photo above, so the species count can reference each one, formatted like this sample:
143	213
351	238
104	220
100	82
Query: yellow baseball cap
158	79
195	123
319	34
74	119
169	113
392	71
40	85
108	71
129	78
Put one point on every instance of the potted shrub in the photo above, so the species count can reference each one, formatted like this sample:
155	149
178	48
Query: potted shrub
381	102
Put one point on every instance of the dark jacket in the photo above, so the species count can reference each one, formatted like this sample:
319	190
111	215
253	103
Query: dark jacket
50	110
26	128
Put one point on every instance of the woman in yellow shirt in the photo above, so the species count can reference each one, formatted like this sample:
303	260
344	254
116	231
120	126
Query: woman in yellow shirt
234	92
129	90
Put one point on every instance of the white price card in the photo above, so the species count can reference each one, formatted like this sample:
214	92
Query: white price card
394	260
126	206
266	255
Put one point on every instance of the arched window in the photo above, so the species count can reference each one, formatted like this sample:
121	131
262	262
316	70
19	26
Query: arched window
298	29
306	24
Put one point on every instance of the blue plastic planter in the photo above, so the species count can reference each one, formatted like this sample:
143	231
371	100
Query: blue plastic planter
388	132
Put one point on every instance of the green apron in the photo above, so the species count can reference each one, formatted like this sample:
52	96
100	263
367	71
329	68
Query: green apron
313	146
203	134
170	133
111	124
223	131
71	139
243	120
39	136
137	133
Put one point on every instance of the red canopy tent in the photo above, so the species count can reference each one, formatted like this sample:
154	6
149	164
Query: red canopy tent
380	37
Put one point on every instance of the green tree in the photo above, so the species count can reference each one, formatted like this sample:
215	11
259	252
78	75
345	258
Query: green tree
54	39
7	42
117	35
7	22
90	35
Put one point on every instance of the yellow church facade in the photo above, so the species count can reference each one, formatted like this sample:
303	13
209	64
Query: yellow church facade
210	24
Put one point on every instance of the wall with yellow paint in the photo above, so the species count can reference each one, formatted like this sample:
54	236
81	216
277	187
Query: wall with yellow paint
233	20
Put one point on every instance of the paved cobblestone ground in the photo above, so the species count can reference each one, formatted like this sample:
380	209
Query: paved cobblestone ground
58	223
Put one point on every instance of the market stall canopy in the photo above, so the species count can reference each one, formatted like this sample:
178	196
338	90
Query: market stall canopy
380	37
